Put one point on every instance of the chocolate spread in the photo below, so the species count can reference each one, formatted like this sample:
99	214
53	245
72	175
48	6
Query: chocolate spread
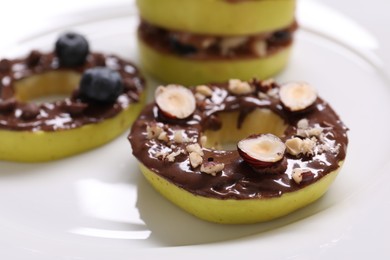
70	112
203	47
238	180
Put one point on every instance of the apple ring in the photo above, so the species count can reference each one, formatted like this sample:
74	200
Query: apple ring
189	42
98	108
239	152
222	17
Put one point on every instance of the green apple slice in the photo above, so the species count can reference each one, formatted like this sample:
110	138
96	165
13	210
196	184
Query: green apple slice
240	211
231	211
172	68
37	146
219	17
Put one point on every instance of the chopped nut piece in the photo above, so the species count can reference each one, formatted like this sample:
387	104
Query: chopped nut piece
172	156
326	148
268	82
300	175
315	131
180	136
229	43
262	95
308	146
296	146
297	175
303	123
260	48
153	130
305	131
194	148
199	96
206	43
163	136
195	159
212	168
161	155
204	90
239	87
273	92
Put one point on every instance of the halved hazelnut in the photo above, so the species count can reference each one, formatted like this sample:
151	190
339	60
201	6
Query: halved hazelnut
297	96
175	101
262	150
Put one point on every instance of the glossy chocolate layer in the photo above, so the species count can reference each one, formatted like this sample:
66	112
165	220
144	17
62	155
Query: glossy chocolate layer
71	112
238	180
204	47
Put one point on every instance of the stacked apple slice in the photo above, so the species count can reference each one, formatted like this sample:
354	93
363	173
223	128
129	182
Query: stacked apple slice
199	41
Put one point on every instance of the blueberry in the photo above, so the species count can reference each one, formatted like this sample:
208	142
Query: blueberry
281	36
71	49
180	48
100	84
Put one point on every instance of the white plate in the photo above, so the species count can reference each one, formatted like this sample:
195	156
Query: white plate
98	206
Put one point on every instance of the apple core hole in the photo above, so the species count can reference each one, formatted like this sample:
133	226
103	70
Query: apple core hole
259	121
46	87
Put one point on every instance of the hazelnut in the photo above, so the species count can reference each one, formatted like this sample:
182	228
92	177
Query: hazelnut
261	150
175	101
297	96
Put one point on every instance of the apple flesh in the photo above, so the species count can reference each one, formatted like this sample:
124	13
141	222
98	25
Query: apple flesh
232	211
38	146
219	17
170	68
